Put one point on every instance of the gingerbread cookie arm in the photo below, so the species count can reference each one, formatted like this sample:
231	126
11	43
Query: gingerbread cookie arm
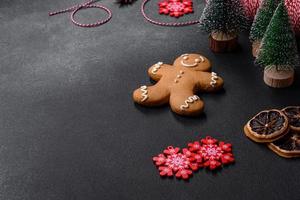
155	95
186	103
158	70
208	82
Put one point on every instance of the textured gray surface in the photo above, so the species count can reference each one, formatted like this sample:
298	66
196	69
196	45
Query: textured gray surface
69	129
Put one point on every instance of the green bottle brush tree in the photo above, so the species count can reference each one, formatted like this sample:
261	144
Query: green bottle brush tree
223	20
278	50
261	22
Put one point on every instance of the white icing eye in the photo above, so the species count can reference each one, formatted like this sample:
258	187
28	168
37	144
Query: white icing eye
197	60
185	57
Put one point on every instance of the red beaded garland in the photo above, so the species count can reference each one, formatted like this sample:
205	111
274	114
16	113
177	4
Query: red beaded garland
86	5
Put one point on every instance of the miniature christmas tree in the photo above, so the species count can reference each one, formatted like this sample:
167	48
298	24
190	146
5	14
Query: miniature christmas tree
261	22
278	51
223	20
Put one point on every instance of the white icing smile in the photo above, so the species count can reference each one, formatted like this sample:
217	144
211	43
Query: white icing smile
196	61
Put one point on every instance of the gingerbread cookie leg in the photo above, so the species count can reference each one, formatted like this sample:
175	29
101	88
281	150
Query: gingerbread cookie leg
186	103
155	95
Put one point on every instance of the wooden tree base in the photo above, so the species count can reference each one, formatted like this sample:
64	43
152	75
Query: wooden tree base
255	48
221	43
279	79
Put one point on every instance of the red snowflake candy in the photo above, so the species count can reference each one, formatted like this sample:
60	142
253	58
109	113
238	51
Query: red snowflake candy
208	152
175	8
197	161
195	146
184	173
173	161
212	152
226	147
187	3
160	159
170	150
227	158
209	140
176	14
212	164
164	11
188	10
165	171
163	4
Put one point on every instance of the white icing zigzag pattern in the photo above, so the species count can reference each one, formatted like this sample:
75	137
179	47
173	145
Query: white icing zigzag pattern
214	79
144	93
190	99
156	67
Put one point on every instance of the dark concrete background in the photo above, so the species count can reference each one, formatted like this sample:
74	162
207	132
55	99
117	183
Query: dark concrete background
69	128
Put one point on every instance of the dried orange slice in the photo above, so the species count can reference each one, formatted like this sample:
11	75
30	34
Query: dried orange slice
293	114
267	126
288	146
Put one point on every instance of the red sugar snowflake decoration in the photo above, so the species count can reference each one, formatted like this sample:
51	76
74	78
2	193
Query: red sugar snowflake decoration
172	161
212	152
175	8
208	152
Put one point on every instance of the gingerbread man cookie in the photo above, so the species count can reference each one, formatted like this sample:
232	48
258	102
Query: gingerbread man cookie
178	84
